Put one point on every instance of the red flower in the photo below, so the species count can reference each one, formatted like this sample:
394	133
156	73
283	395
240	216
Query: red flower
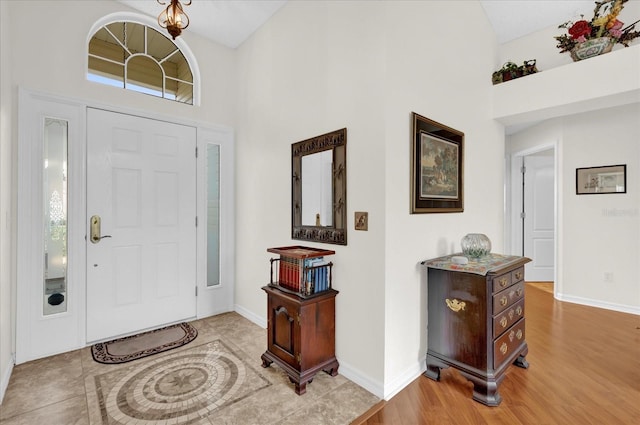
579	29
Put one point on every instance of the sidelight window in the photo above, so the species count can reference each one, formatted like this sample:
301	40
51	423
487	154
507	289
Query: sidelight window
55	215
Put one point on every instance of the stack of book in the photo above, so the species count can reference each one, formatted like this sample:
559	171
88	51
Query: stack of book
291	270
316	275
302	270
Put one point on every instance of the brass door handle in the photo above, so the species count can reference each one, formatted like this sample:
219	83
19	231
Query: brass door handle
95	230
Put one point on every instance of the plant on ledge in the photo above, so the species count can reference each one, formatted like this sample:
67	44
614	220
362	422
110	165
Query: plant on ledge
597	36
511	71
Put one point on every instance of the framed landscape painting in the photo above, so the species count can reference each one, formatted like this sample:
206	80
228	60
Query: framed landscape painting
436	167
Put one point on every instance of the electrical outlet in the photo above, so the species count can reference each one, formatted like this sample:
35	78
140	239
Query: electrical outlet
608	277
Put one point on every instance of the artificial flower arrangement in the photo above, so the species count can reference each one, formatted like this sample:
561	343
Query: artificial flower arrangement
604	23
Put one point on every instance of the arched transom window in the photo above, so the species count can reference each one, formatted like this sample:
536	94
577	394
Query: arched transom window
137	57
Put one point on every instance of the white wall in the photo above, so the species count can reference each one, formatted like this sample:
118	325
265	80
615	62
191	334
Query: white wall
315	67
61	51
601	231
591	109
445	78
320	66
53	60
6	194
597	234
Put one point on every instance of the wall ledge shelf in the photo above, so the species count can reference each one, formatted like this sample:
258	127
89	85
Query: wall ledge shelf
605	81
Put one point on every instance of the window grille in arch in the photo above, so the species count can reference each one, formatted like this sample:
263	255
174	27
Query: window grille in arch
137	57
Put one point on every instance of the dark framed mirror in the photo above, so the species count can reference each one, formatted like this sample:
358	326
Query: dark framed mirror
319	188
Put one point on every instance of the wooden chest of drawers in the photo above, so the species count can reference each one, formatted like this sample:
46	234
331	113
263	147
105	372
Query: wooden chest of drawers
477	322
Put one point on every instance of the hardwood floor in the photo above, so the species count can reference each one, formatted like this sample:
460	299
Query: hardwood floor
584	369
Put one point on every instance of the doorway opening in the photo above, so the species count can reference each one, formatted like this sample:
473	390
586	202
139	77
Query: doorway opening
533	217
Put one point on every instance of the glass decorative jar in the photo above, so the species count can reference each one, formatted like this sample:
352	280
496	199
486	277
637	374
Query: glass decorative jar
475	245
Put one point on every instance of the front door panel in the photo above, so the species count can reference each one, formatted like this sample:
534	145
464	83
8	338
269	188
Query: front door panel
141	185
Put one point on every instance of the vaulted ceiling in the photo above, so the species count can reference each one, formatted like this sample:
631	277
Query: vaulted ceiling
230	22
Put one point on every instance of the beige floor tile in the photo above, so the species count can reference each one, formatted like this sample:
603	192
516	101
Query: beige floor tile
339	406
44	391
42	383
72	411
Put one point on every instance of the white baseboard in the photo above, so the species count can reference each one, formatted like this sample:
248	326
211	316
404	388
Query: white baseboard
6	377
251	316
356	376
375	387
404	379
600	304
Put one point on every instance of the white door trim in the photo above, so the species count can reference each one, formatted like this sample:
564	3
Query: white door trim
29	101
38	335
513	225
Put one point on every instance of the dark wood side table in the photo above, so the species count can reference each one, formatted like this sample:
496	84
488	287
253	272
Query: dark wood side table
301	334
476	320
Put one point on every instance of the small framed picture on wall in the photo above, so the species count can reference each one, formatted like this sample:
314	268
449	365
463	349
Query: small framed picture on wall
601	180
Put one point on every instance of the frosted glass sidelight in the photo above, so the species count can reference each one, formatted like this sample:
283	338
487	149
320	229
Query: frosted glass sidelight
213	215
54	181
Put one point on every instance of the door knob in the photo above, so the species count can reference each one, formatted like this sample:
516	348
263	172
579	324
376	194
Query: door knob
95	229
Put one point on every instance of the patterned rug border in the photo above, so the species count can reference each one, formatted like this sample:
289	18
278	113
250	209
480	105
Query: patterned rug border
102	393
100	350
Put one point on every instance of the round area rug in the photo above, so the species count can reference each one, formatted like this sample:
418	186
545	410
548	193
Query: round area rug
179	388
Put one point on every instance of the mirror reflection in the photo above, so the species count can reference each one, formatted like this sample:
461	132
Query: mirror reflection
317	183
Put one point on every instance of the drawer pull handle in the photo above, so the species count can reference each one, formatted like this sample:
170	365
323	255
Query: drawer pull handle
503	281
503	322
455	305
503	300
519	311
504	348
518	275
519	291
519	334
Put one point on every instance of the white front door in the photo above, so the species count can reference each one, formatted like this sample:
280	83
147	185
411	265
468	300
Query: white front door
141	186
539	217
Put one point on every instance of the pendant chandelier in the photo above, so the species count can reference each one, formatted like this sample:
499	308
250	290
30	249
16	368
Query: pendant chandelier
173	17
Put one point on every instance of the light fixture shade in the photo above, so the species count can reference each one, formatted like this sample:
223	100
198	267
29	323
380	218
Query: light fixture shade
173	17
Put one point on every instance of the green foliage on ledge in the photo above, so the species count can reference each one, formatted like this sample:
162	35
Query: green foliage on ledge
511	71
